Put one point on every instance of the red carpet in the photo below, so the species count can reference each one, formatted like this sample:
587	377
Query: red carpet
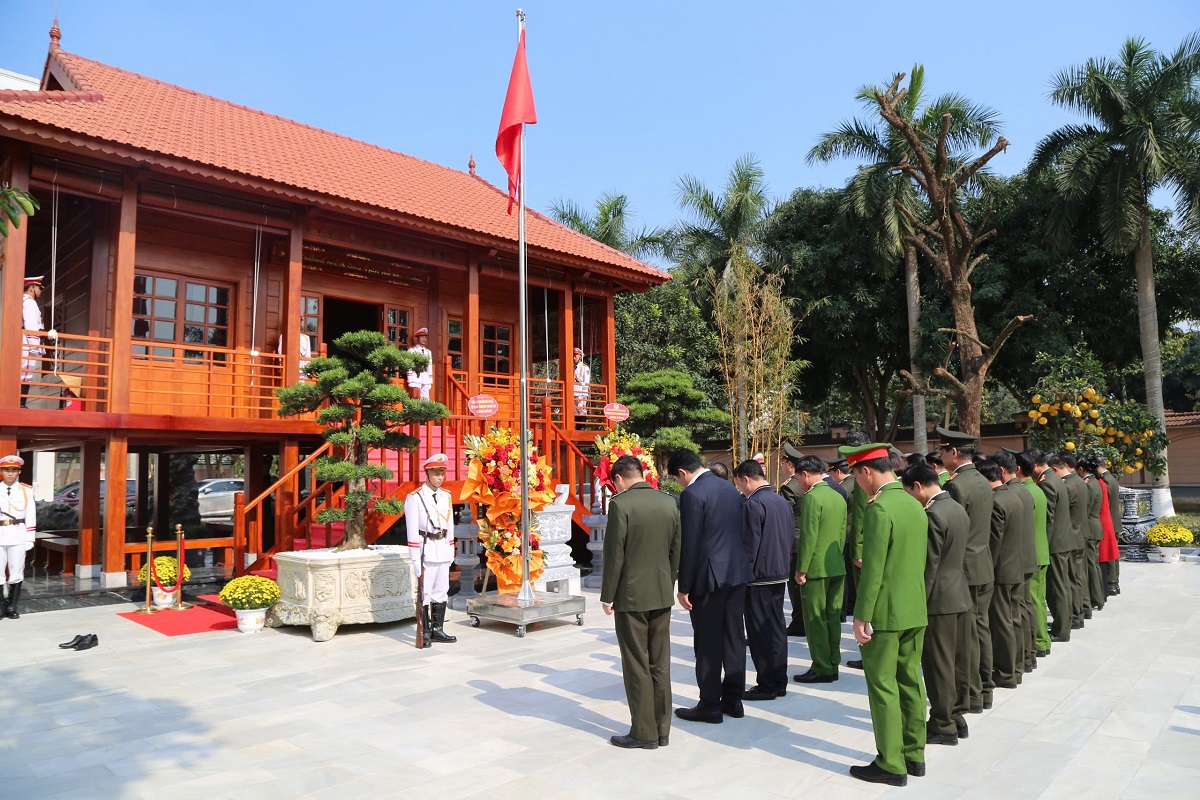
198	619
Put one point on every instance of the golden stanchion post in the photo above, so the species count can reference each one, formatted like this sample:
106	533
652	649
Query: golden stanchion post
149	609
179	550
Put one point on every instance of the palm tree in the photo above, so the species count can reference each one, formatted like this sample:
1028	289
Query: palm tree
1143	133
876	192
610	225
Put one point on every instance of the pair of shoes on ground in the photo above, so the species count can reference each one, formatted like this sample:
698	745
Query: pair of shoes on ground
873	773
629	743
84	641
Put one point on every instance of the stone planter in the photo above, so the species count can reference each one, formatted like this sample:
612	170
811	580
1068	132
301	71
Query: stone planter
251	620
325	589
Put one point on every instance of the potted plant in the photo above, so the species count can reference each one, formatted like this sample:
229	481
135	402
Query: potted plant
165	579
250	596
1169	536
357	400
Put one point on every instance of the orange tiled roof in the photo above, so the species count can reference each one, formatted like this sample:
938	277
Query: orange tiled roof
1176	419
110	105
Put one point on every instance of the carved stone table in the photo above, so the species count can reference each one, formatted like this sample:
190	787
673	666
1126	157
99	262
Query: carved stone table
560	573
325	589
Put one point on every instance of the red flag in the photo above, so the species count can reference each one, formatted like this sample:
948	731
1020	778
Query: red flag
518	110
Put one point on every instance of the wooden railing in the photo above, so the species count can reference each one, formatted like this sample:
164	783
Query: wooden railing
290	518
73	363
194	380
551	399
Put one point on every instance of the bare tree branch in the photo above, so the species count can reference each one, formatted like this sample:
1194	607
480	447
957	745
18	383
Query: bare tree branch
965	175
999	341
955	382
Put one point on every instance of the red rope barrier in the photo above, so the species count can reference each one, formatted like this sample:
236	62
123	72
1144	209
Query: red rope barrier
154	574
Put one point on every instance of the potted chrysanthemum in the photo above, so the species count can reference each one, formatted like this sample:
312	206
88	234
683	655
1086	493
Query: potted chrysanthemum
250	596
165	578
1169	536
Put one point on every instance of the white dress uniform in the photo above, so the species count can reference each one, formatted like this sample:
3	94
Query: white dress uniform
423	380
434	518
32	352
583	379
305	351
18	525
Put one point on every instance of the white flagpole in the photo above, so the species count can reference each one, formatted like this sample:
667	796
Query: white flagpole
526	595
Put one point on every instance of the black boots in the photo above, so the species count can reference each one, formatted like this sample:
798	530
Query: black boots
439	620
425	626
10	604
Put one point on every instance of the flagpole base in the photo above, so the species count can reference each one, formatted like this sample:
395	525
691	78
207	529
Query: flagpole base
511	609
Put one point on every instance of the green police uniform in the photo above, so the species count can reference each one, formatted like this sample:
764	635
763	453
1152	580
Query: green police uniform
1037	586
1059	588
972	491
641	565
1008	524
1077	509
1113	568
891	597
944	659
819	559
794	494
1096	592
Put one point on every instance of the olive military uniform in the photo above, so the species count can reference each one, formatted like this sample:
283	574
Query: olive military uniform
1060	589
944	657
1096	590
1037	586
972	491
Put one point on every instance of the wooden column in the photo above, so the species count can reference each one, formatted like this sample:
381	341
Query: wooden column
471	330
291	305
566	355
254	473
89	511
436	336
122	293
289	493
116	468
609	346
15	244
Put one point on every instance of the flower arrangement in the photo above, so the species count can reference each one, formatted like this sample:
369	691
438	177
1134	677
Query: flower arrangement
1170	534
620	442
495	480
167	570
250	591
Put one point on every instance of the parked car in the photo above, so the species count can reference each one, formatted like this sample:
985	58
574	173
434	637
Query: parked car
215	497
69	494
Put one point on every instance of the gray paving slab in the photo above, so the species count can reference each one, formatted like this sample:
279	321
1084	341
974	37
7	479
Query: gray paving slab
1114	713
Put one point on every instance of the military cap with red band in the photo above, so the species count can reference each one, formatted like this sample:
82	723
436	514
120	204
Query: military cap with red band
11	461
863	452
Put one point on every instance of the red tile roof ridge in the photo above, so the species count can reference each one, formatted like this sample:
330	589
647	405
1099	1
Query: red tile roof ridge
51	96
80	81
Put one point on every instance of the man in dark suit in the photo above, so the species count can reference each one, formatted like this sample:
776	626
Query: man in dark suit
944	660
769	530
641	561
713	573
971	491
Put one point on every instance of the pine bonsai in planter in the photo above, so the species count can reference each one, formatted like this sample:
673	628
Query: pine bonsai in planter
361	408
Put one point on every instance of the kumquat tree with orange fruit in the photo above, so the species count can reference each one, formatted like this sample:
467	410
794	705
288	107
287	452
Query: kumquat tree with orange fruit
1070	411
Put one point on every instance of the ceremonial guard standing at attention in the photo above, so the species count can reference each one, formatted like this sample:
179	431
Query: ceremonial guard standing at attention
972	491
769	529
1059	589
31	319
429	516
18	529
1041	539
791	491
889	617
1112	567
420	383
713	573
641	562
944	660
820	569
582	387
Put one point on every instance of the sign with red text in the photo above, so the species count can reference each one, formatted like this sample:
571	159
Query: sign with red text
616	412
483	405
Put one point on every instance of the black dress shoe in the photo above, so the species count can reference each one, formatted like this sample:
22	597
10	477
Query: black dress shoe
630	743
795	629
872	773
735	710
942	738
963	732
857	664
987	703
89	641
758	693
915	768
68	645
696	714
814	677
663	741
1060	638
1042	653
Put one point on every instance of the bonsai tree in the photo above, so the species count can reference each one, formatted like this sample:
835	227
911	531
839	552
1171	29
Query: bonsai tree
361	407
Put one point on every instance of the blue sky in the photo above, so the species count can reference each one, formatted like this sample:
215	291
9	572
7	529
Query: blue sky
630	95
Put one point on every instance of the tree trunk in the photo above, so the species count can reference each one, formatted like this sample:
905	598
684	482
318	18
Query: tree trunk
1151	357
356	538
971	361
912	291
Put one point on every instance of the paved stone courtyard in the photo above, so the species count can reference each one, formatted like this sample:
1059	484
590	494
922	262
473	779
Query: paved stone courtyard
1114	713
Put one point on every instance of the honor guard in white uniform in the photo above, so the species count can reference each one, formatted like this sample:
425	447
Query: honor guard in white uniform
429	517
31	319
305	348
421	381
18	525
583	380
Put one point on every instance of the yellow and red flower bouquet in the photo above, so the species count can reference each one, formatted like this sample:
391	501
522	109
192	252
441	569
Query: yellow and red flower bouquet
619	442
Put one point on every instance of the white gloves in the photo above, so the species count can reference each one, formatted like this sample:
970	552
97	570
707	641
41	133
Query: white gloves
52	335
28	546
